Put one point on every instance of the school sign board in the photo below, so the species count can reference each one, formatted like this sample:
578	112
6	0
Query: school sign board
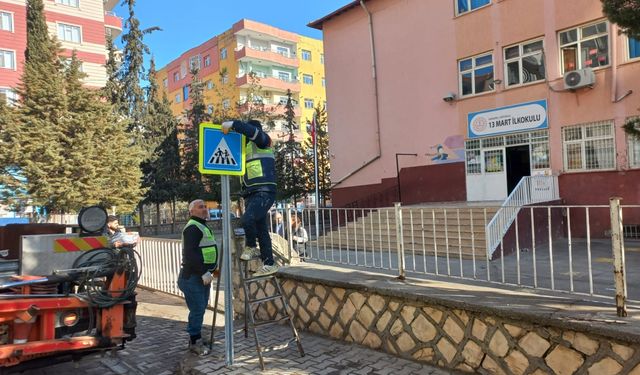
219	153
511	119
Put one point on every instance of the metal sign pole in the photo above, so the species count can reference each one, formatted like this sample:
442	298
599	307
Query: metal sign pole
226	269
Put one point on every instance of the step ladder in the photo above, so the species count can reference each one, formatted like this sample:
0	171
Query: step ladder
251	306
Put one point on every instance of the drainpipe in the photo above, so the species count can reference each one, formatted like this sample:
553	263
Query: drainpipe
375	94
614	67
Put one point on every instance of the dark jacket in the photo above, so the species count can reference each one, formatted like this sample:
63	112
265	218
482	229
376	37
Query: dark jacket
192	259
260	159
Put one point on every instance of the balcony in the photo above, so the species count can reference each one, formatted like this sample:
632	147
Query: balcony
263	54
113	23
270	82
271	108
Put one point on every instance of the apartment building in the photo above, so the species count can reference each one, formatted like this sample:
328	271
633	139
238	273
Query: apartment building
469	96
79	25
279	60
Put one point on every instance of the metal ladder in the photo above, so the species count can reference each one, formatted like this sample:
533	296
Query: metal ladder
250	303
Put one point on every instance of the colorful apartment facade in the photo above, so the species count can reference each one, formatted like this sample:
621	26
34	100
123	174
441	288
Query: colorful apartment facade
79	25
247	56
466	97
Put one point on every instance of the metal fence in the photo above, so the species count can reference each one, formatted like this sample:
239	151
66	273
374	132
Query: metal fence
565	248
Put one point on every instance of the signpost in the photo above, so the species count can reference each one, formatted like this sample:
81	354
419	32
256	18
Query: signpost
224	155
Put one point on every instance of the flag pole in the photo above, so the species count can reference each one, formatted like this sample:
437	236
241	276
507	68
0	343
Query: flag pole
314	127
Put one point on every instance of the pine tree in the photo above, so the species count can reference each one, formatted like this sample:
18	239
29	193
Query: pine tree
132	71
324	166
12	191
193	184
106	160
161	169
34	137
112	90
625	13
288	156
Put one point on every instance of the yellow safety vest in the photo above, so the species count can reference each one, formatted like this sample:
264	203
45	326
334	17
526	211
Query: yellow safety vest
208	244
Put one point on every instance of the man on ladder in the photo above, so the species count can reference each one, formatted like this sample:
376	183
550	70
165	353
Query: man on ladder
259	192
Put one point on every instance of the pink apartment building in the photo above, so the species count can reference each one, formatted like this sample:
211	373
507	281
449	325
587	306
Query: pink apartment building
79	25
468	96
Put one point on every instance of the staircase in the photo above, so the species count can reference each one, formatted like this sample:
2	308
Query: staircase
460	228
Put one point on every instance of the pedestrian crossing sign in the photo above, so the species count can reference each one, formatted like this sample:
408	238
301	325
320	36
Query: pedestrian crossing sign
220	153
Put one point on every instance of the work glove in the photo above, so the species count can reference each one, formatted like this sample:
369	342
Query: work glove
207	278
227	126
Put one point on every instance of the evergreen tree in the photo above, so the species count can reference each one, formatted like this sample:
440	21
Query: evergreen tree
324	166
112	91
194	185
288	156
132	71
33	139
625	13
161	169
102	160
12	190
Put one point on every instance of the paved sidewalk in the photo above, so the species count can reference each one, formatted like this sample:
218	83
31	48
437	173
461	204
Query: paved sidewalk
160	349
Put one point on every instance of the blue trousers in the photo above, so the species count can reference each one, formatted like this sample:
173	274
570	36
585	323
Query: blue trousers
255	223
196	295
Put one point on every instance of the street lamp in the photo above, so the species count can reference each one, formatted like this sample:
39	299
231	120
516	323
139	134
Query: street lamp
398	174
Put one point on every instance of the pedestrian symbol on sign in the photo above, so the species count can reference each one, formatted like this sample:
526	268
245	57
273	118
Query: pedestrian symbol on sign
222	155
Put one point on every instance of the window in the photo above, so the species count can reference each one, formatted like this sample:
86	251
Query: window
493	161
176	77
209	85
165	82
67	63
306	55
633	151
284	76
540	150
71	3
523	63
476	74
6	21
226	104
308	103
283	101
589	147
207	61
463	6
8	95
223	53
194	62
324	82
474	164
225	78
7	59
284	51
322	58
178	98
584	47
634	48
185	92
183	69
210	108
307	79
69	33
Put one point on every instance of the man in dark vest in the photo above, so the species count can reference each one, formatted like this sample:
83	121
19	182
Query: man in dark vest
258	191
199	260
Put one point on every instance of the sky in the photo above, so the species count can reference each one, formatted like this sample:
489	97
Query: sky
188	23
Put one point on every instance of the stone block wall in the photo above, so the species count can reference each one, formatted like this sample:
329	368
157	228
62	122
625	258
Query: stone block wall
453	338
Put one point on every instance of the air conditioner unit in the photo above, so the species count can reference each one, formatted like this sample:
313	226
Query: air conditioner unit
576	79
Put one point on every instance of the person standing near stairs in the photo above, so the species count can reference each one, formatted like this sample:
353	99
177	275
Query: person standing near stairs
258	191
199	261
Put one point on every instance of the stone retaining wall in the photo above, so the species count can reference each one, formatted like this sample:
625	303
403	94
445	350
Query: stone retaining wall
454	338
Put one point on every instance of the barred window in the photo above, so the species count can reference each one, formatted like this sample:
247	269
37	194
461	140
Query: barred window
493	161
474	165
633	150
589	147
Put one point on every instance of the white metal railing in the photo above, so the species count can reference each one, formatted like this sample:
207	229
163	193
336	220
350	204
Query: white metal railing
530	190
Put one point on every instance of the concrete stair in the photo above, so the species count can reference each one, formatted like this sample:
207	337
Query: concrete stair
426	230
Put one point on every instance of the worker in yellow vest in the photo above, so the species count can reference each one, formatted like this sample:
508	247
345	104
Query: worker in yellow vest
258	191
199	260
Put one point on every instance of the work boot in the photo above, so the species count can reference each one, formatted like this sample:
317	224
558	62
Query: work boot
250	253
266	270
198	348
